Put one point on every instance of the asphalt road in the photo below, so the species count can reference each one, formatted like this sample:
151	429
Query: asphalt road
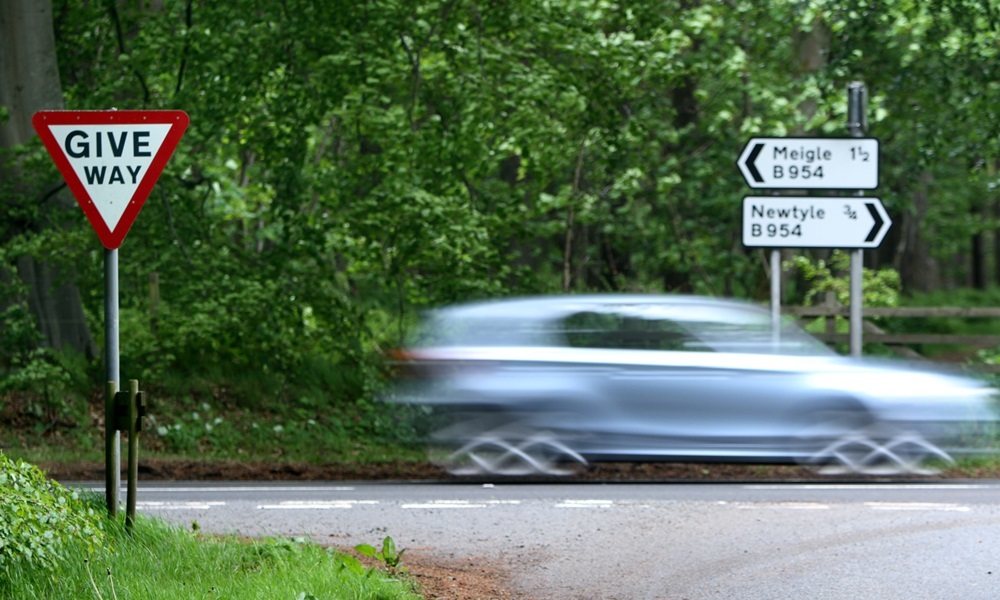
645	541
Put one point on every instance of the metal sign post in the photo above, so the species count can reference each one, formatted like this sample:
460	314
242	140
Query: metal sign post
857	123
112	438
775	297
110	160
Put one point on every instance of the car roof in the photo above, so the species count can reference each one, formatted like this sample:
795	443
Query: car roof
556	305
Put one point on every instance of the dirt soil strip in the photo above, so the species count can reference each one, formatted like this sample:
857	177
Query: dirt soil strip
452	578
160	469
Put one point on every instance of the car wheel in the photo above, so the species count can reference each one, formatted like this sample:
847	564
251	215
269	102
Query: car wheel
848	445
507	453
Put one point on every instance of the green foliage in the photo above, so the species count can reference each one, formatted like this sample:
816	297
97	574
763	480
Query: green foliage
879	287
963	297
350	164
56	383
831	276
388	555
145	561
19	334
40	519
263	416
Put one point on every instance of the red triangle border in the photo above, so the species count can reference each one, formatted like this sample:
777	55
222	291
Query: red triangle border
111	239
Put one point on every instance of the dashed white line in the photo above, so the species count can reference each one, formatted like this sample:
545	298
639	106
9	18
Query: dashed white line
445	504
170	505
936	506
585	504
158	505
243	488
785	505
872	486
314	504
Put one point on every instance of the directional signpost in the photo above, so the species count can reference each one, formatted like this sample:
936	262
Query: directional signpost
111	159
803	163
810	163
807	222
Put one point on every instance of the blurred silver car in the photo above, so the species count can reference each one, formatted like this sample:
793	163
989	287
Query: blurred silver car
543	385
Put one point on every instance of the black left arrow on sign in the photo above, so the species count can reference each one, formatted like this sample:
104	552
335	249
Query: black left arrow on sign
877	227
751	159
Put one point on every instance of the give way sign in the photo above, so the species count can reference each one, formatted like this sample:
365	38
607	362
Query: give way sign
111	159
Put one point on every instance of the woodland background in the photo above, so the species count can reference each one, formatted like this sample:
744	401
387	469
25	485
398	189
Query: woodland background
351	162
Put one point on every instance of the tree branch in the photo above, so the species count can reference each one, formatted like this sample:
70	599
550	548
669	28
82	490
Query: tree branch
188	22
173	231
113	11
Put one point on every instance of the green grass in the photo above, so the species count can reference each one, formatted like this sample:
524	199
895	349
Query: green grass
58	543
157	561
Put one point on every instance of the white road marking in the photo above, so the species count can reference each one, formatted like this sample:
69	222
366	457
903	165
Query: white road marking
248	488
873	486
445	504
157	505
785	505
900	506
938	506
314	504
585	504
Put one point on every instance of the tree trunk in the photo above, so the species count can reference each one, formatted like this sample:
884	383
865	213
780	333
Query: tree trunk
918	270
29	82
994	203
977	270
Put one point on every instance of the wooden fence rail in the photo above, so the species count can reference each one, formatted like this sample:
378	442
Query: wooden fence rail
874	334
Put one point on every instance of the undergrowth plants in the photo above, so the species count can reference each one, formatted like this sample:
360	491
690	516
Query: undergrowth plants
286	428
252	416
59	544
40	519
388	555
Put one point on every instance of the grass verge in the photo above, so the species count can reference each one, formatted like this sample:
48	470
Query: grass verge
160	562
44	555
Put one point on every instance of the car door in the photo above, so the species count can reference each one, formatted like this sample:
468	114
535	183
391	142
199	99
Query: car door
664	391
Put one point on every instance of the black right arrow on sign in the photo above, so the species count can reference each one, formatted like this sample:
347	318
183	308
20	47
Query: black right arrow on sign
877	227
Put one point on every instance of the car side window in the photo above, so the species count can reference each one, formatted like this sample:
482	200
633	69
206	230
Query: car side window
610	330
588	329
481	332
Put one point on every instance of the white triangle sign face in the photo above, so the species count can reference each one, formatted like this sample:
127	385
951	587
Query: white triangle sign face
111	160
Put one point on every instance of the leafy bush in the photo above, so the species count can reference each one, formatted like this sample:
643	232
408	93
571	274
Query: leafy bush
57	386
238	323
388	555
962	297
40	519
18	332
879	288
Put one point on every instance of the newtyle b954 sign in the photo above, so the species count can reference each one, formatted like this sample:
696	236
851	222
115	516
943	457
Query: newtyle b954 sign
804	222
